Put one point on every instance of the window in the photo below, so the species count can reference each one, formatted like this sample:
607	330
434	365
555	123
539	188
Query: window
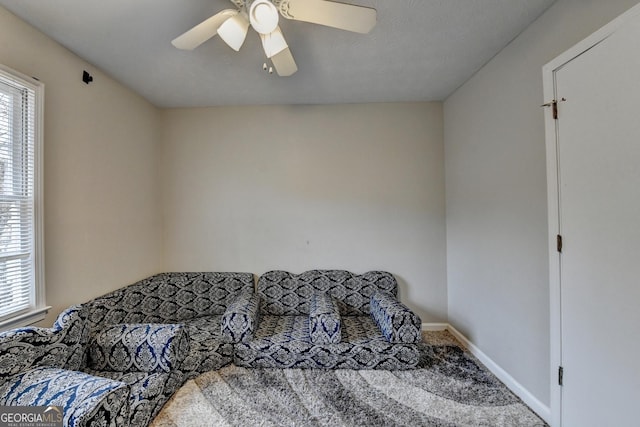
21	232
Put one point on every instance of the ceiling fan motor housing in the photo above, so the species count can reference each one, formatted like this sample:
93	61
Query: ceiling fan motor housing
281	5
263	16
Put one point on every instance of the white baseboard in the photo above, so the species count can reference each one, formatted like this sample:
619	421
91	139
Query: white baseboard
434	326
529	399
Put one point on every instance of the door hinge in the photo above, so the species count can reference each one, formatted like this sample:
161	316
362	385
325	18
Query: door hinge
560	375
554	107
559	243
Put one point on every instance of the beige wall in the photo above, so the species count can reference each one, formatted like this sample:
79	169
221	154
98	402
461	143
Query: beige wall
102	221
357	187
498	284
354	187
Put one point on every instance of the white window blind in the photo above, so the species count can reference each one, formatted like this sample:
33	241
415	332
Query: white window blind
21	293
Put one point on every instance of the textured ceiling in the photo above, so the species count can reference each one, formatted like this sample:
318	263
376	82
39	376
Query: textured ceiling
420	50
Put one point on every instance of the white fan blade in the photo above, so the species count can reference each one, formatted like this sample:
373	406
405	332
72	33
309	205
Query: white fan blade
204	31
347	17
284	63
273	43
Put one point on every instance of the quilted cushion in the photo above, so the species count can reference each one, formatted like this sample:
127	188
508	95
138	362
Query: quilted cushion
168	298
86	400
396	321
141	348
207	352
240	319
324	319
283	342
284	293
61	346
149	392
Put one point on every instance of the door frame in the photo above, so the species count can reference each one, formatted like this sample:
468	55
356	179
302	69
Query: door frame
553	197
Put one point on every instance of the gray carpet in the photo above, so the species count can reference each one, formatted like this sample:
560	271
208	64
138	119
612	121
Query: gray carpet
450	388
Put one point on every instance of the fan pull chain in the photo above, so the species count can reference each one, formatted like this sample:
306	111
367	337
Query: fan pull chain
267	68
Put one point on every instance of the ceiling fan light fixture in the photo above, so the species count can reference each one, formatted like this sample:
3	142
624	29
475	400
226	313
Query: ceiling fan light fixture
263	16
234	31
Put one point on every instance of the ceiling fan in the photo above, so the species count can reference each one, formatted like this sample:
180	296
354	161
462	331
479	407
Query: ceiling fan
232	25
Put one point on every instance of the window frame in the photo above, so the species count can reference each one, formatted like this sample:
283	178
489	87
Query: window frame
38	308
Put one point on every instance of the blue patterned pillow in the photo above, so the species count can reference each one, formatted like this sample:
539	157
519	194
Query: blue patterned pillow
324	319
240	319
138	348
396	321
86	400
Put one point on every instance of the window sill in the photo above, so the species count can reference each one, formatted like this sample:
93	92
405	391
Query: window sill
25	319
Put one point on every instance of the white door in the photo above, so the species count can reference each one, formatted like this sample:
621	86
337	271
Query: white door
598	190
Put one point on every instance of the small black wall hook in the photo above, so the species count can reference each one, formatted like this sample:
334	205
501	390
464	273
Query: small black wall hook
86	77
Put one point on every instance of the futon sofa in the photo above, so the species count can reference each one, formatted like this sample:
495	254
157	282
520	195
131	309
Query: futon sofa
115	360
331	319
